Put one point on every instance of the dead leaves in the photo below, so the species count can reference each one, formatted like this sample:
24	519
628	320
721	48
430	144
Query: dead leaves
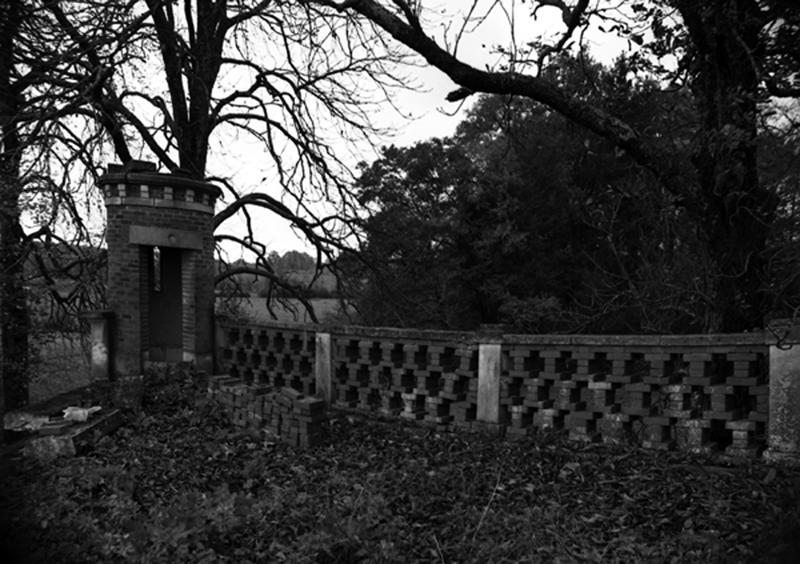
393	492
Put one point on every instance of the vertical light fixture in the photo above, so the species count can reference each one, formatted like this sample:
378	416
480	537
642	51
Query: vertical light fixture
156	269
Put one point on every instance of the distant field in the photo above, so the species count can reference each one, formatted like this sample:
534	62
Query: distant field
255	310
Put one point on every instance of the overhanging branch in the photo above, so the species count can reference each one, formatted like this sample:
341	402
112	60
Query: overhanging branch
471	79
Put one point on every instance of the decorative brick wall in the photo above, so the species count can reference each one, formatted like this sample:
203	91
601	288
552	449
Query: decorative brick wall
147	209
411	374
275	356
695	393
706	393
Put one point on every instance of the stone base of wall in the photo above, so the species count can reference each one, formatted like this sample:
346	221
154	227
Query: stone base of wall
292	417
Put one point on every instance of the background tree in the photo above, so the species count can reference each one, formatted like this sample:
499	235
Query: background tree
730	54
414	272
524	218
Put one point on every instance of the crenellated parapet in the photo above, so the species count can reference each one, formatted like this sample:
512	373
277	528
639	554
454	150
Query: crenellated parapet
138	184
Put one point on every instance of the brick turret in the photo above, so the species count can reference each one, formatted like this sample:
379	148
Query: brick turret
160	266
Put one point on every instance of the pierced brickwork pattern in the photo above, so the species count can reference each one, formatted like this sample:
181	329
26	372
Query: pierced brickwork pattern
432	381
701	394
700	399
269	356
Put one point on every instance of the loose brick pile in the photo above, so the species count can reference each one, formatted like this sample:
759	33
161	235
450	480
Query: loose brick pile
285	412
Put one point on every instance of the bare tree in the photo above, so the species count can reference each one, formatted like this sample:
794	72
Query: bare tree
731	54
46	152
298	82
171	81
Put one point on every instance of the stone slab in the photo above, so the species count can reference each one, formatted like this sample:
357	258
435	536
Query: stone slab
75	438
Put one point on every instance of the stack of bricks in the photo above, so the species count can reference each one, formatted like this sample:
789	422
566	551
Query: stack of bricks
286	413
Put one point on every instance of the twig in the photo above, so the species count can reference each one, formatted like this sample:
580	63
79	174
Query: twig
486	509
439	551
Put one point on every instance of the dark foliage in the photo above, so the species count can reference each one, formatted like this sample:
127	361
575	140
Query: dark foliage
526	219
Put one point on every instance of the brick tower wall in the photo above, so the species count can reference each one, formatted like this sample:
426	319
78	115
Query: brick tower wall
146	209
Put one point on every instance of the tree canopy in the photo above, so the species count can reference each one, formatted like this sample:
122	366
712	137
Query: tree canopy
525	219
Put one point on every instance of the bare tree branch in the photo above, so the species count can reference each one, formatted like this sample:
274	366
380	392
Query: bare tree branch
472	79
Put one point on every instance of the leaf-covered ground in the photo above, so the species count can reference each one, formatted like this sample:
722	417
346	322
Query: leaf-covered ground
179	484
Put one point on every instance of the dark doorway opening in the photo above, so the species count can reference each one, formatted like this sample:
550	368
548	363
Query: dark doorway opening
165	305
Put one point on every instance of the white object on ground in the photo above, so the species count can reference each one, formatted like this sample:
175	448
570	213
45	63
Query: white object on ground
80	414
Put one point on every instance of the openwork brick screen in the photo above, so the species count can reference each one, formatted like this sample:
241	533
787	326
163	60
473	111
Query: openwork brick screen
697	393
414	375
279	356
420	375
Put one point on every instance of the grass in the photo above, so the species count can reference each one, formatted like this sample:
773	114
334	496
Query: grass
180	484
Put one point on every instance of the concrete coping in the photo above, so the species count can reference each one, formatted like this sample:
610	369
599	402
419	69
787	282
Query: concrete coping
757	338
145	174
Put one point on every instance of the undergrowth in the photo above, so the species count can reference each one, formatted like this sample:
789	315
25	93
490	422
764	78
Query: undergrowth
180	484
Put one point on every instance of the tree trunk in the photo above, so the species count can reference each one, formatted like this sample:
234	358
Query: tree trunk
733	210
14	318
